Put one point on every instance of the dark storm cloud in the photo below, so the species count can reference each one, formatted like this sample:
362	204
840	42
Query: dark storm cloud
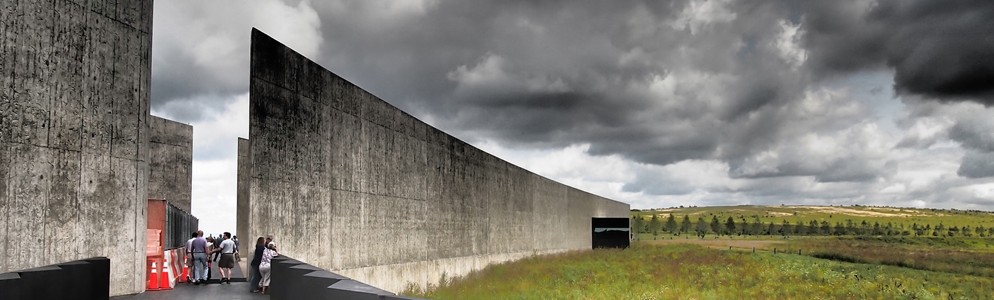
200	50
763	89
937	49
554	74
977	165
188	80
178	78
975	133
974	130
657	82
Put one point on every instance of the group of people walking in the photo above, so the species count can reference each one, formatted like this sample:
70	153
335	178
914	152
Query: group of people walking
204	251
224	251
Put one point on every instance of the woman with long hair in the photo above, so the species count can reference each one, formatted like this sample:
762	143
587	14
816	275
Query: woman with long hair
260	246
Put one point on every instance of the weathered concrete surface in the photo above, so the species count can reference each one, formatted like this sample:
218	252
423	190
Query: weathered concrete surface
347	182
74	96
242	196
170	162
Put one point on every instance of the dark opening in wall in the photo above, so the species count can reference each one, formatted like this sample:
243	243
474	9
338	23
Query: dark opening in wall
610	232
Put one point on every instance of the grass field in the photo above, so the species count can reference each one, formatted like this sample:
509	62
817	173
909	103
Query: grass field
681	271
900	265
961	255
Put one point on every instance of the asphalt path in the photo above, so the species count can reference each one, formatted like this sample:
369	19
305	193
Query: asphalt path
214	290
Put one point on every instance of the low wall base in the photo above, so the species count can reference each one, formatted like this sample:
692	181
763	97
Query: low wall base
397	277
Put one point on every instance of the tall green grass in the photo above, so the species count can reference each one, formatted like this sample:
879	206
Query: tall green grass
953	255
694	272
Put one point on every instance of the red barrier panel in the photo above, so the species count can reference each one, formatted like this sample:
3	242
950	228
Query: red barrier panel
155	258
164	268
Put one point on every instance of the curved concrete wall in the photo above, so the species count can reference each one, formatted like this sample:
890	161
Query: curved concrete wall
347	182
74	97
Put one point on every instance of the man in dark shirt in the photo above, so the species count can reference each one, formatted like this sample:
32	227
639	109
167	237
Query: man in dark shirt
238	257
199	249
217	244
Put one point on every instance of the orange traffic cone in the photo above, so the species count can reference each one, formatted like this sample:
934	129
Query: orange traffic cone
164	282
186	274
153	282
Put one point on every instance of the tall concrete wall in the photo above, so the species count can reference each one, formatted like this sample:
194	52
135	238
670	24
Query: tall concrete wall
74	86
170	162
242	196
345	181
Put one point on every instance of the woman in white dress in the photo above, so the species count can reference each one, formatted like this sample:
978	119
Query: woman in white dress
265	267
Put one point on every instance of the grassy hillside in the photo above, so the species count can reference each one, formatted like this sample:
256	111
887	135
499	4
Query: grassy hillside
900	219
695	272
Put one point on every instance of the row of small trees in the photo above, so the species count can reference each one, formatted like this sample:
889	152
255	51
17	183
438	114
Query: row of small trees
701	228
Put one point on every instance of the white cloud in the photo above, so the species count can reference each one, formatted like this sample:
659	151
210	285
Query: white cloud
601	175
214	192
926	131
789	44
489	70
490	75
299	27
386	12
701	13
984	190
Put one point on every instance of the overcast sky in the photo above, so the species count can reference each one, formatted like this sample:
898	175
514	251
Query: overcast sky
654	103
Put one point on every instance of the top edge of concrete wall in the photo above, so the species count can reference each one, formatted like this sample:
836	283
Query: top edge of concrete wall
169	121
166	131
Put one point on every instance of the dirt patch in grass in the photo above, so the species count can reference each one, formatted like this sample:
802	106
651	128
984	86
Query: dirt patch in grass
778	213
869	212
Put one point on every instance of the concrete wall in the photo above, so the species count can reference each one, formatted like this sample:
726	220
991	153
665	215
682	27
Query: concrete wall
170	162
242	204
347	182
74	86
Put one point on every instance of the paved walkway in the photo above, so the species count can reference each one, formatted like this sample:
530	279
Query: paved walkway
237	290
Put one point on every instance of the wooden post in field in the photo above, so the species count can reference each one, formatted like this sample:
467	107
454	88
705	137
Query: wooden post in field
774	250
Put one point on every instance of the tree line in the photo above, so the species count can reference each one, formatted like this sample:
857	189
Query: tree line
702	227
